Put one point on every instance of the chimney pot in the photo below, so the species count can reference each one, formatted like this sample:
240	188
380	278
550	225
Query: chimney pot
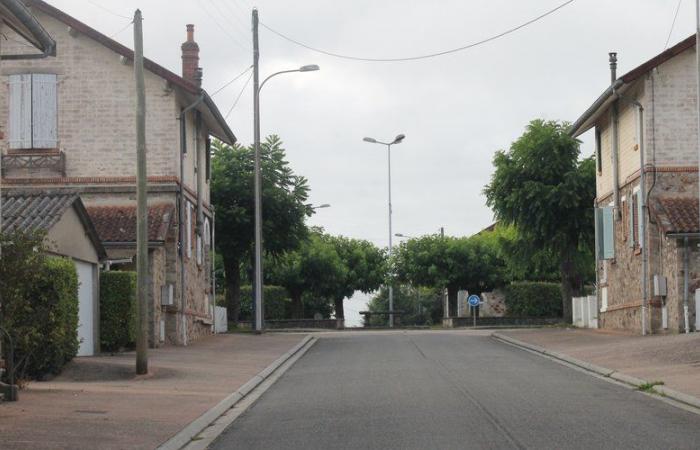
612	58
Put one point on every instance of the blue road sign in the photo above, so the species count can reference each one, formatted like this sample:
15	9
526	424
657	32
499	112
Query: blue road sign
474	300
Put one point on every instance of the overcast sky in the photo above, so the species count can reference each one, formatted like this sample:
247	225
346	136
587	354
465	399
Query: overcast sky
455	110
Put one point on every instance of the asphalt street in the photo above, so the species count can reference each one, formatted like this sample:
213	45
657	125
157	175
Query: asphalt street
444	390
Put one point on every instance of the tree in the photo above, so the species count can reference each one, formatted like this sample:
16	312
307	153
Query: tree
314	268
471	263
284	196
542	188
420	306
366	269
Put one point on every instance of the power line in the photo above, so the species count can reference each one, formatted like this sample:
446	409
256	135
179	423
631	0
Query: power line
230	82
225	16
218	24
673	24
121	30
430	55
107	10
239	96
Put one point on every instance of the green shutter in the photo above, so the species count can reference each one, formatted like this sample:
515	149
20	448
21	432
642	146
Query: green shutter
605	228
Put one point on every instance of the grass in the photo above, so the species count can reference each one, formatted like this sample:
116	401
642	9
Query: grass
649	387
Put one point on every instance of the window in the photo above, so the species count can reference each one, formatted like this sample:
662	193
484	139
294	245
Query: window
635	213
207	149
605	228
189	229
33	111
598	149
199	250
625	214
207	232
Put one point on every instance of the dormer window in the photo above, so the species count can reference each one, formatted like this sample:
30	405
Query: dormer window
33	112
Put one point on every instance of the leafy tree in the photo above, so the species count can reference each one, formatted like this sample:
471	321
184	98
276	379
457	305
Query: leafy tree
471	263
420	306
542	188
284	196
314	269
366	269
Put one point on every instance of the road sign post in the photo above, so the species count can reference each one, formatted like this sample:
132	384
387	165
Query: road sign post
474	301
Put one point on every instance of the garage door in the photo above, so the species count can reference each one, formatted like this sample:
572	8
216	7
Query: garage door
86	308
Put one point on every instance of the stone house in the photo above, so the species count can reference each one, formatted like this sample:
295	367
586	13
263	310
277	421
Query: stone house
647	232
69	122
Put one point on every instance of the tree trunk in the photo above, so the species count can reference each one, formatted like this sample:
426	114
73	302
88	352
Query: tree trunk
232	268
452	300
570	285
339	311
297	306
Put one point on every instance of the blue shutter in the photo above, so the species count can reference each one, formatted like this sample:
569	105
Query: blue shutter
20	120
605	225
44	114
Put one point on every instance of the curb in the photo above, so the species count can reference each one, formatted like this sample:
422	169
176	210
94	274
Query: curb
182	438
602	371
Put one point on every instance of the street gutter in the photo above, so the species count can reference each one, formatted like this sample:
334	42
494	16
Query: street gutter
604	372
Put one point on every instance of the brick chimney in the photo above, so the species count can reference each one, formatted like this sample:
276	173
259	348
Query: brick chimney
190	58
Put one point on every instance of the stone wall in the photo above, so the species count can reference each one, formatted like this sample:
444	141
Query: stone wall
494	304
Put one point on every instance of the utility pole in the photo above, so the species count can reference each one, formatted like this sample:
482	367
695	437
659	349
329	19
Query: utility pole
258	286
141	208
697	93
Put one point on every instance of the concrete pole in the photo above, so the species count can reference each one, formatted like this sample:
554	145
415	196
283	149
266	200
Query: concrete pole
258	286
141	193
697	93
391	270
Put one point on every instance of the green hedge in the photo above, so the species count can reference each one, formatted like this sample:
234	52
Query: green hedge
117	310
533	299
43	319
277	302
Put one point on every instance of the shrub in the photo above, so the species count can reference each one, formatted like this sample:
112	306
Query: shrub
117	310
533	299
277	302
40	306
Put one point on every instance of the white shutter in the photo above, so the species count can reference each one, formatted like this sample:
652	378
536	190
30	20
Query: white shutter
189	229
20	126
44	127
605	228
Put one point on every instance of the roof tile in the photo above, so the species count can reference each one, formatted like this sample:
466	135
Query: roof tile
118	223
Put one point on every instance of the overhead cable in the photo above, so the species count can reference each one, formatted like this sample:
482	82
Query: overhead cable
231	81
430	55
239	96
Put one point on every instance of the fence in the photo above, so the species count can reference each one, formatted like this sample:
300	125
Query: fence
585	311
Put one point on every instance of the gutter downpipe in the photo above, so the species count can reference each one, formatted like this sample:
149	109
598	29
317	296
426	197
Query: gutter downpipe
686	265
181	215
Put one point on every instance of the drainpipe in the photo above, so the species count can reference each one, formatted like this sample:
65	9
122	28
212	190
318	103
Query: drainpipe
686	266
181	215
615	138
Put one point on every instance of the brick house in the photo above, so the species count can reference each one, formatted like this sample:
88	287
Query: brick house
647	233
69	122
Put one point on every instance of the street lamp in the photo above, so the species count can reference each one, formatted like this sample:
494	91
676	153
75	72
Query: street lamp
325	205
258	319
397	140
399	235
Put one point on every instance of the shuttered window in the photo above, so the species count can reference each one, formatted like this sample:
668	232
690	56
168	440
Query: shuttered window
605	228
634	212
189	229
33	111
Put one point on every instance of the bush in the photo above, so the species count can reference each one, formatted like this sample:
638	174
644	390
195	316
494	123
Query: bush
40	306
533	299
117	310
277	302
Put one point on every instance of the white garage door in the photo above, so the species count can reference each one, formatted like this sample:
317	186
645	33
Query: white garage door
85	311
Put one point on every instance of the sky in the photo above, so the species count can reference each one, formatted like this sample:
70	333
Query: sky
455	110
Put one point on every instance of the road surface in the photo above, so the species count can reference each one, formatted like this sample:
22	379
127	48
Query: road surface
443	390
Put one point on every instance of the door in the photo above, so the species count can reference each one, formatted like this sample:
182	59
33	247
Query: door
85	308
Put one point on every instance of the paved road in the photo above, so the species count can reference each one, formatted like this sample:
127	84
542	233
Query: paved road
448	390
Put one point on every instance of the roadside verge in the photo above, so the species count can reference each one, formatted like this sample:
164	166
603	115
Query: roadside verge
191	431
602	371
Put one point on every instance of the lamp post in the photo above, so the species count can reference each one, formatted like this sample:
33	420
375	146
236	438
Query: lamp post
258	192
396	140
325	205
399	235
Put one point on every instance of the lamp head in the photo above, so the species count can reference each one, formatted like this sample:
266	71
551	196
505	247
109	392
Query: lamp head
309	68
399	138
370	140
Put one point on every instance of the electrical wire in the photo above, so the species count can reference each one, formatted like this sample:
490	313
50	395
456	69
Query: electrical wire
113	35
673	24
108	10
228	18
218	24
231	81
239	96
430	55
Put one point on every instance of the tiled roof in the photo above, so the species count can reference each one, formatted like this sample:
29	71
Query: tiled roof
677	215
34	210
118	223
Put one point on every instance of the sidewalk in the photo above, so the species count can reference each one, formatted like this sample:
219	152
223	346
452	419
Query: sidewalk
98	402
673	359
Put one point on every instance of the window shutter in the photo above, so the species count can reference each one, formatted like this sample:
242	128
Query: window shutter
631	242
208	158
20	126
606	227
44	114
640	217
189	228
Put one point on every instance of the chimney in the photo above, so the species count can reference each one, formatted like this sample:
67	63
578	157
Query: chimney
613	66
190	58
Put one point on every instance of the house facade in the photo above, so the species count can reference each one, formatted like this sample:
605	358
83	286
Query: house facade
647	230
69	123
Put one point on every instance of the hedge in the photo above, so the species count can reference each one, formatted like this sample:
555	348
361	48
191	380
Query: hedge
117	310
277	302
533	299
43	319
